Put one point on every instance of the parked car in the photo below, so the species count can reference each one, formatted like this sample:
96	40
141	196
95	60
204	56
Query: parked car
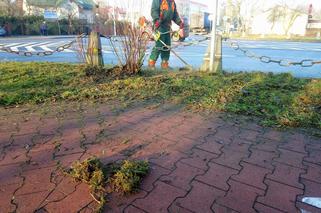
2	31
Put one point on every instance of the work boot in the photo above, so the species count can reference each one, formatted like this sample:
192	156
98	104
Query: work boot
151	64
165	65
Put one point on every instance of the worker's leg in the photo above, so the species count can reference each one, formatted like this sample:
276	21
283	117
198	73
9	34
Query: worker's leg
155	54
166	38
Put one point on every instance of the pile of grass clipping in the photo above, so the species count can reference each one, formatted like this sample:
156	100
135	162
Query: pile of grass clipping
123	177
127	177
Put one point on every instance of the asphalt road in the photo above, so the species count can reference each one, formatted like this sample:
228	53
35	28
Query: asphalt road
233	61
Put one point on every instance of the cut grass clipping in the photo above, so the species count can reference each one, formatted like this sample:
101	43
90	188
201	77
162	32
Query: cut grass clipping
127	177
123	178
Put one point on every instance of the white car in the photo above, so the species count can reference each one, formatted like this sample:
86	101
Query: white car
2	32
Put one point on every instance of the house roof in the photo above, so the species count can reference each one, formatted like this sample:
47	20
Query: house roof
84	4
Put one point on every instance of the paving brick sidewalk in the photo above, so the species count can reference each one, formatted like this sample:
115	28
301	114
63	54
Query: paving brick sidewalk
198	163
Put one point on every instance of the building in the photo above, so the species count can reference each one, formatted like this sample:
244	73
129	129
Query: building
79	9
197	15
129	10
313	28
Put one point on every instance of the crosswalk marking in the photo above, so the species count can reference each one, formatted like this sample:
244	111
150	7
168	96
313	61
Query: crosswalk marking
37	46
30	48
16	47
12	44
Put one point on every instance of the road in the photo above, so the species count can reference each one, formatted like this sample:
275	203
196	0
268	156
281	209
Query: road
233	61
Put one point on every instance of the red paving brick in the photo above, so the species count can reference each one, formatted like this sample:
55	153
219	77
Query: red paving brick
273	135
287	174
9	174
35	181
49	126
225	134
200	198
267	145
30	126
231	158
178	209
239	145
249	135
168	160
313	172
182	176
216	208
291	158
217	176
133	209
154	174
160	198
211	146
265	209
73	202
280	196
4	138
239	190
262	158
52	197
31	201
6	196
252	175
119	203
314	157
199	158
198	164
14	155
295	142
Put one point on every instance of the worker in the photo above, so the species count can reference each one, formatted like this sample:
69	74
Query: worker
163	13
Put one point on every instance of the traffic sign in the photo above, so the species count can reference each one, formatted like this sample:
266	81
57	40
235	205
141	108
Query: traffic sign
50	15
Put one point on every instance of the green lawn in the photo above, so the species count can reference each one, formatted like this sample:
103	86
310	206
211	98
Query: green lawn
278	100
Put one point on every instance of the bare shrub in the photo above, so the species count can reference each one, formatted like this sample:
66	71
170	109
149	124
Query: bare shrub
81	47
130	48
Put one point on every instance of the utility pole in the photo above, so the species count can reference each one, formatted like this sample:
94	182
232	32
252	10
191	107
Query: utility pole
213	38
114	21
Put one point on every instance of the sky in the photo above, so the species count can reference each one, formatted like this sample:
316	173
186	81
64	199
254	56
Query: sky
316	3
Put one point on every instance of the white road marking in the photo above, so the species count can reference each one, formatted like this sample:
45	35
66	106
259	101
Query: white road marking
16	48
12	44
31	49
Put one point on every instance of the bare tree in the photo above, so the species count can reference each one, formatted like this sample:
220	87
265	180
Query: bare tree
70	11
285	14
243	11
8	7
276	13
293	15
